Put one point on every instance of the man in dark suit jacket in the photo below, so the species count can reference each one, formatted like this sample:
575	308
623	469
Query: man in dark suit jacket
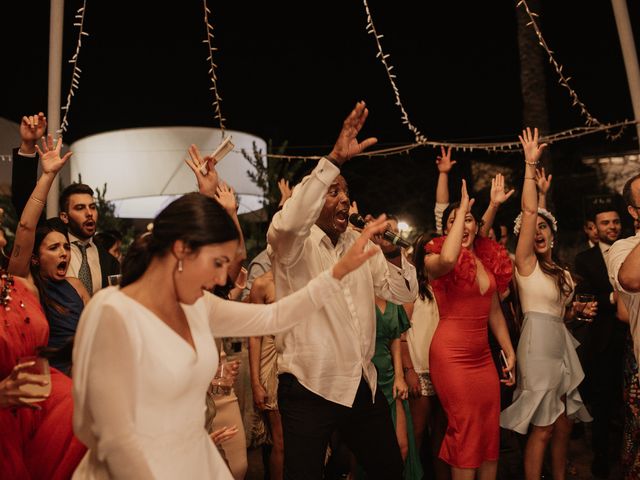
602	340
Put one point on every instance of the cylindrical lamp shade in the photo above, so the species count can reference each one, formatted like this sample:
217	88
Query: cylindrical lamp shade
144	168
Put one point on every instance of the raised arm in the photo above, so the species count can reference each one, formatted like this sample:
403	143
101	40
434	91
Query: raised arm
292	225
51	163
226	197
497	197
439	264
543	183
525	253
444	164
25	162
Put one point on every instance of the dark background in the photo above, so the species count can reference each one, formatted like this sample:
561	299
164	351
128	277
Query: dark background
291	71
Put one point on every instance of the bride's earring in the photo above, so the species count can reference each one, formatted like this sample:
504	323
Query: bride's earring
179	266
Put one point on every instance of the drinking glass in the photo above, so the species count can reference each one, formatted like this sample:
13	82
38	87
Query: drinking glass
222	382
36	372
584	298
114	280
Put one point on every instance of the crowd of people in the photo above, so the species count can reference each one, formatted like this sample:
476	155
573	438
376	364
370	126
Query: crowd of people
364	359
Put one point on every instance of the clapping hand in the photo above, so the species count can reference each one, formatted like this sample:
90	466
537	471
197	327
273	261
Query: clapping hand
347	144
207	183
50	155
443	161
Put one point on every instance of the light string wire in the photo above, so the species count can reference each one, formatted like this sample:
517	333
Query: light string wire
563	80
371	29
217	99
75	76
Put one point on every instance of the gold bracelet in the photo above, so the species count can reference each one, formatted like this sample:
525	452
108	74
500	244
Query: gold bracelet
37	200
530	178
531	163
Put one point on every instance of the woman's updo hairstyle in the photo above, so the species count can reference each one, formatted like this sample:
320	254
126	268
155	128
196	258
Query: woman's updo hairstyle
195	219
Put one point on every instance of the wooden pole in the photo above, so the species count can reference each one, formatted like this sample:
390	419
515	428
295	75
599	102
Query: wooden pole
56	22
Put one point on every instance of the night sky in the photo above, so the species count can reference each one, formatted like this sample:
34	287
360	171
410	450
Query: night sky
291	71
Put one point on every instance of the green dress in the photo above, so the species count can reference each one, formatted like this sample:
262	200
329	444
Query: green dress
389	326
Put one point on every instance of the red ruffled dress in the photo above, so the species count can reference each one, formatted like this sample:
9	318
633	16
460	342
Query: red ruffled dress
34	444
462	369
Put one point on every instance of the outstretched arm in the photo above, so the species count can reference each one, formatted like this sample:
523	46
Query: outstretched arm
439	264
25	235
444	164
497	197
525	254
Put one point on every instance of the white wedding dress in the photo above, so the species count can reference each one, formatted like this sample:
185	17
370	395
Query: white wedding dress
139	388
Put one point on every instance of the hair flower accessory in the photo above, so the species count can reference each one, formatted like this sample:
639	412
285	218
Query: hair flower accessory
548	216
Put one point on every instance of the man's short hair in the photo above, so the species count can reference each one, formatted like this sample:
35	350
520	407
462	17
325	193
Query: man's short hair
627	194
596	204
73	189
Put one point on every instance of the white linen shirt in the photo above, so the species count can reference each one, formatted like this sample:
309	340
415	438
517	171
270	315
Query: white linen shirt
332	350
615	258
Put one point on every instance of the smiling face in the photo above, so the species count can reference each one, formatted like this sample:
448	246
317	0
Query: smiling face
334	217
608	226
81	216
544	238
470	227
203	269
53	256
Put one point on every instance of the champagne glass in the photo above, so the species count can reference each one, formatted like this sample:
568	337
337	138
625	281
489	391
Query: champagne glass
585	299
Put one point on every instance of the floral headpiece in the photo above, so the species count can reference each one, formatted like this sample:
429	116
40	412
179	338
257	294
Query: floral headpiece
548	216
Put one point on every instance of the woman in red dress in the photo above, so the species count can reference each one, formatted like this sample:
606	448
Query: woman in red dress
36	434
466	272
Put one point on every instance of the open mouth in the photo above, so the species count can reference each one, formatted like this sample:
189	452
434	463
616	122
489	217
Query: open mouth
89	224
61	268
342	217
540	242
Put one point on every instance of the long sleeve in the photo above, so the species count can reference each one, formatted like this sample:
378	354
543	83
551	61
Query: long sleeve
398	285
292	225
111	381
24	175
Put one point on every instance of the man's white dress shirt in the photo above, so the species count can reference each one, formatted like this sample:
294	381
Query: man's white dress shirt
92	257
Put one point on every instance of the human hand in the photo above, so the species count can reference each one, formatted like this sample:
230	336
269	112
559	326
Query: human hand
223	434
498	196
260	396
400	389
50	156
443	161
465	202
532	151
543	182
360	251
511	365
32	128
207	184
347	144
231	369
285	191
10	393
226	197
585	309
413	382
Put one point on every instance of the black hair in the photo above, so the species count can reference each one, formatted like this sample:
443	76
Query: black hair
51	225
419	253
107	239
73	189
193	218
454	206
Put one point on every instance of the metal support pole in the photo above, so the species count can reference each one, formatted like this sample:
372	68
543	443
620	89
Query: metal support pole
56	23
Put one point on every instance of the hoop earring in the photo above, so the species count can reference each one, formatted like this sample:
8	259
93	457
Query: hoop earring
179	266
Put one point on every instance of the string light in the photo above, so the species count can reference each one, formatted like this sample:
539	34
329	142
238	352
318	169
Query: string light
384	58
563	80
217	100
75	76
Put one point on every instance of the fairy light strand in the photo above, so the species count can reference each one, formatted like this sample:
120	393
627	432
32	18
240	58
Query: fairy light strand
563	80
217	99
384	59
75	75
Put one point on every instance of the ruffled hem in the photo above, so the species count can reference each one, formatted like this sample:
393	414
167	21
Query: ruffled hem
494	258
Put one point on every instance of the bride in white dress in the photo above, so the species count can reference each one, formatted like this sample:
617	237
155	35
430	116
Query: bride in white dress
145	353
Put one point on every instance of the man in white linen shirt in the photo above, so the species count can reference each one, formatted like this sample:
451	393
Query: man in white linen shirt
623	264
327	381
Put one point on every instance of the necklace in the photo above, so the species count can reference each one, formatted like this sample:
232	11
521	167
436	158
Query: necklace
5	293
